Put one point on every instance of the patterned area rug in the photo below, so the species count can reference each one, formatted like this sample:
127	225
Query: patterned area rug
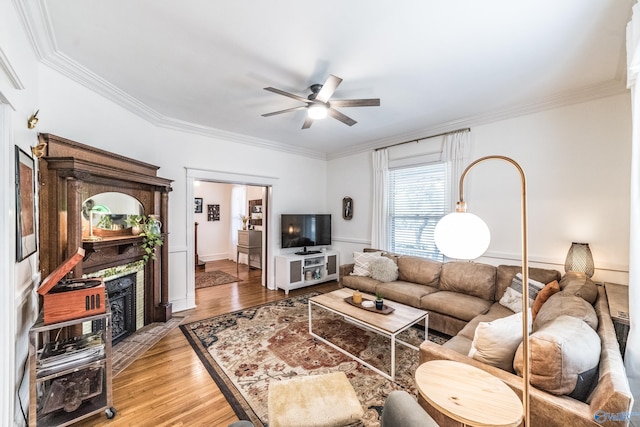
246	350
212	278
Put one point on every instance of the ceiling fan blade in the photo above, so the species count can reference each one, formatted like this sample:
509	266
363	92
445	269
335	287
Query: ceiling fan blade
374	102
290	95
339	116
328	88
302	107
307	123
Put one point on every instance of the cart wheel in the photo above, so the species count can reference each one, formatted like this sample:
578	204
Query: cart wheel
110	412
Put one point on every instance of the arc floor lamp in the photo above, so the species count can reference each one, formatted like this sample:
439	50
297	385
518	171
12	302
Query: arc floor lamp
463	235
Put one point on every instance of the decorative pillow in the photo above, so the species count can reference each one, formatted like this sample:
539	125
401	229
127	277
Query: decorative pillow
580	285
495	343
383	269
512	298
561	304
562	353
543	296
362	261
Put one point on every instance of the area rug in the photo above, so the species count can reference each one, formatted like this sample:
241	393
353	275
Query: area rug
213	278
246	350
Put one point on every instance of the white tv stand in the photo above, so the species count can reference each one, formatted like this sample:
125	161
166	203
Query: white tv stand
297	271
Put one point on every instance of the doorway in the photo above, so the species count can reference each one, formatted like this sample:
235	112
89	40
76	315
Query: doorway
228	224
268	186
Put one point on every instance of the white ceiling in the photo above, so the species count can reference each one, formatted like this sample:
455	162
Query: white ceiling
437	66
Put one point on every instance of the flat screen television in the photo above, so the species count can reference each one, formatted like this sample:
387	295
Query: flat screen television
302	230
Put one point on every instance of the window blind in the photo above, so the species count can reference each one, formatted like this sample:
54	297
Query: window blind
416	203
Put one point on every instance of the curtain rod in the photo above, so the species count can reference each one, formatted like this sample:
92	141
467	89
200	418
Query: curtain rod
420	139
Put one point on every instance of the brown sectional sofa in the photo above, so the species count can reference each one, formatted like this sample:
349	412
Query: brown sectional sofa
460	295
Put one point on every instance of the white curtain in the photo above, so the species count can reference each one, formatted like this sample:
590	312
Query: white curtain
379	232
238	210
632	354
455	152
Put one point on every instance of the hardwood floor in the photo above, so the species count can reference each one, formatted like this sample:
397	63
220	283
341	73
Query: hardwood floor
168	385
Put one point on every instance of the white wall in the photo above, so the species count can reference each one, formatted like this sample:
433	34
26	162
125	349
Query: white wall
576	160
213	236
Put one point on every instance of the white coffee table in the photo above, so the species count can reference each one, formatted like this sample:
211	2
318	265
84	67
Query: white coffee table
389	325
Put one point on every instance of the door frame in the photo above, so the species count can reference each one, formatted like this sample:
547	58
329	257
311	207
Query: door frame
269	183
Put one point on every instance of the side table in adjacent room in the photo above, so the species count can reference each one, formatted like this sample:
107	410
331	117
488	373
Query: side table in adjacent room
468	394
618	298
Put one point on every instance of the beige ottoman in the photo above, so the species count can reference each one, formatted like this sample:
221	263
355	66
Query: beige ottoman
326	400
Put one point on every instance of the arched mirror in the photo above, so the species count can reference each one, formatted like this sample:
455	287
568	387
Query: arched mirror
105	214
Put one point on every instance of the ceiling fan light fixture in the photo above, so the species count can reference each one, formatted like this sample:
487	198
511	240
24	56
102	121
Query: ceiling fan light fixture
317	111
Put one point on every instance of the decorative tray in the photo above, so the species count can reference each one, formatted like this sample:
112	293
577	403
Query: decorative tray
385	308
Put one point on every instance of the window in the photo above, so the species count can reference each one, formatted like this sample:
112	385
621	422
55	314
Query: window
416	203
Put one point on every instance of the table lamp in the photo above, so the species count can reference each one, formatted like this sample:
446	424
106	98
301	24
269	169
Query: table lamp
579	259
462	235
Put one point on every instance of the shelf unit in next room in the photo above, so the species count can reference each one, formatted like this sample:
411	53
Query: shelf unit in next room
297	271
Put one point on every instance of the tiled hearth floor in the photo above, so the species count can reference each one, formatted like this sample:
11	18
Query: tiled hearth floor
133	346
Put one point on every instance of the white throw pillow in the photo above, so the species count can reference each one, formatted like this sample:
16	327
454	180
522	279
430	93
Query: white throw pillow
512	298
362	261
384	269
495	343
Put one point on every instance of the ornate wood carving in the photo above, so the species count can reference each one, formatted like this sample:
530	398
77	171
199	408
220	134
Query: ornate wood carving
71	172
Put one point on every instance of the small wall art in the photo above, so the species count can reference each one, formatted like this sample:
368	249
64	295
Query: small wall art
347	208
26	242
198	205
213	212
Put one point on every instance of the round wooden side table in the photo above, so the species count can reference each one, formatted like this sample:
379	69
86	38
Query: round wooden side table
468	394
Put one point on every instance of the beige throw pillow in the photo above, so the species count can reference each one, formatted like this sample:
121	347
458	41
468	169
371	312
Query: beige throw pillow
495	343
383	269
560	352
512	298
362	262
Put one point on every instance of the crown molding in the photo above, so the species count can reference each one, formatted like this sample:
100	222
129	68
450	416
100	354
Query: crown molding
612	87
35	17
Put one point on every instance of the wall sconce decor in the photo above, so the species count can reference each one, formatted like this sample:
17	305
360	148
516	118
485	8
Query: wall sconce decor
33	120
347	208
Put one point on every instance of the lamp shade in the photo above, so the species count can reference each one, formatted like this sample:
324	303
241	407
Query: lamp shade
462	235
579	259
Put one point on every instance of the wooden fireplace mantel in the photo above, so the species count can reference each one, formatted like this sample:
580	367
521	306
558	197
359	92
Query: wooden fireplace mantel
71	172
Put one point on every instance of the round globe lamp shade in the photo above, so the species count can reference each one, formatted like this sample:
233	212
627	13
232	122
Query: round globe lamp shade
462	235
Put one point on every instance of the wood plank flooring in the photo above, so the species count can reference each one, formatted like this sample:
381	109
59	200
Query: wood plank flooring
168	385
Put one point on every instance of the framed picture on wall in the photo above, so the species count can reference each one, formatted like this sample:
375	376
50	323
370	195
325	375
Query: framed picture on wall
198	205
213	212
25	205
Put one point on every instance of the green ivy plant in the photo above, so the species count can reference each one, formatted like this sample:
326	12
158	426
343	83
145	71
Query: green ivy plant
151	236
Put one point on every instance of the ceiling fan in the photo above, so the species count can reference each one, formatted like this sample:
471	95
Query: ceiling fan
318	104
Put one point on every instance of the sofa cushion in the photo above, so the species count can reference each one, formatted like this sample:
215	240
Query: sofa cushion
495	343
580	285
569	305
512	298
360	283
496	311
362	261
405	292
461	306
419	270
459	344
506	273
561	351
384	269
546	292
470	278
